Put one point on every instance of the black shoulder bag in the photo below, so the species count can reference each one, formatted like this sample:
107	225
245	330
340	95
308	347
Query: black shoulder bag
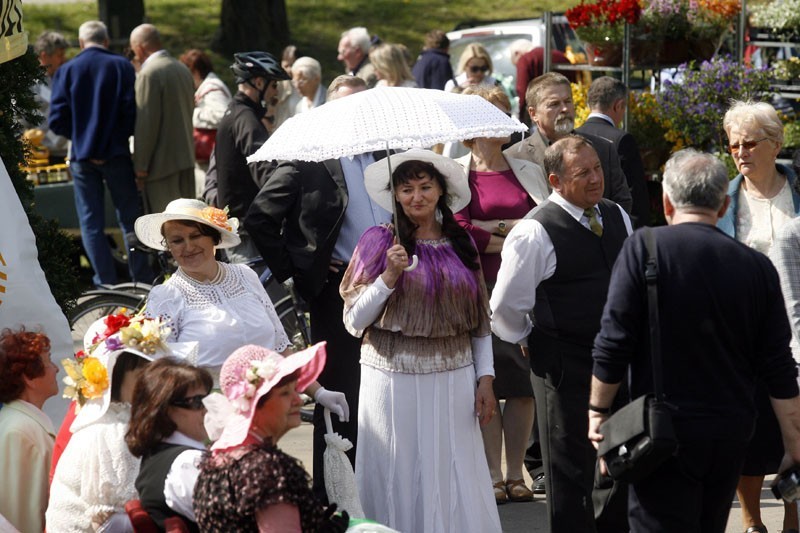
640	436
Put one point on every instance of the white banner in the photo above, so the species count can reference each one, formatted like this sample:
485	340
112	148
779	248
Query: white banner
13	41
25	297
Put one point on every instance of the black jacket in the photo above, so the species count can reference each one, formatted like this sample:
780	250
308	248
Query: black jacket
631	162
239	135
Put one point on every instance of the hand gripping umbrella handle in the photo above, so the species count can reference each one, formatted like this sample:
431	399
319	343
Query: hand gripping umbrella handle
413	265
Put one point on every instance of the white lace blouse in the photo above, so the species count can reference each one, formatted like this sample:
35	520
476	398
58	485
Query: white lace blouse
220	316
95	475
759	219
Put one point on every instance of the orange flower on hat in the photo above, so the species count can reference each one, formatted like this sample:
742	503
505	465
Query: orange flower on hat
216	216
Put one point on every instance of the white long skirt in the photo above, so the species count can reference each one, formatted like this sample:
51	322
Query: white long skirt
420	464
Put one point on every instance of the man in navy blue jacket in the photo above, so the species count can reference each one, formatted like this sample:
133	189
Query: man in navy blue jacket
723	326
432	69
93	104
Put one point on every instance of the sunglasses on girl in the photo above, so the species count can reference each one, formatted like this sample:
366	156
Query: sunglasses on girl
482	68
193	403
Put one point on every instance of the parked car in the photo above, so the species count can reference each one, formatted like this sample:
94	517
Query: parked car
496	36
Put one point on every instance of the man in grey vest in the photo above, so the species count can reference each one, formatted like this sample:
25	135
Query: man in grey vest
565	248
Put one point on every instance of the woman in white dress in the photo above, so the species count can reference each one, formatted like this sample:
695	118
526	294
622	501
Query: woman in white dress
426	357
222	306
95	475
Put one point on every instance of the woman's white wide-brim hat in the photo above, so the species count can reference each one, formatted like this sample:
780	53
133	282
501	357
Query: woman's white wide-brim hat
148	227
95	408
376	178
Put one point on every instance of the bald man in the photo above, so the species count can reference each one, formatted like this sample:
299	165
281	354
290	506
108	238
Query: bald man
163	149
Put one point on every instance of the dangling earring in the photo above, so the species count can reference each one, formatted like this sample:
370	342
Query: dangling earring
438	215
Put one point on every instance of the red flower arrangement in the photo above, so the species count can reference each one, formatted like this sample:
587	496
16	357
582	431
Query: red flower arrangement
603	21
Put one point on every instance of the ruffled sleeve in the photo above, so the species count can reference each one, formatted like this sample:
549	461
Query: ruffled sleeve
167	303
367	263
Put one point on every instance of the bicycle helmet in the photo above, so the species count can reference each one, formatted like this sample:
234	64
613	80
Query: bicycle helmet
248	65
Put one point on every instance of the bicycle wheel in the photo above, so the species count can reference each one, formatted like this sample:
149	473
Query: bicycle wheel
291	322
97	306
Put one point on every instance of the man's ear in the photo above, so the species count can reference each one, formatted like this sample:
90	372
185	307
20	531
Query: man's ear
532	113
669	209
555	182
724	207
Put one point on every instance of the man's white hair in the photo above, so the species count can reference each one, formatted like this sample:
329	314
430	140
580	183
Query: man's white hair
359	37
94	32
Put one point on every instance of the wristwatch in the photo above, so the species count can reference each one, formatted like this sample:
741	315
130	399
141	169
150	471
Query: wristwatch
502	226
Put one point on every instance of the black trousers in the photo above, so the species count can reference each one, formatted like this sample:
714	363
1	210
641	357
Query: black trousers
690	492
562	379
342	372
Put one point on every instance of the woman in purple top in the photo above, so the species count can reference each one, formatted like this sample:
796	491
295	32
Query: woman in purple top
503	191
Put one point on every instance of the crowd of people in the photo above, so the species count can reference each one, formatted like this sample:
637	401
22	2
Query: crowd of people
519	327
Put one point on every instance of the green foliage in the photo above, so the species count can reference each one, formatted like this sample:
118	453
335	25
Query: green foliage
791	135
55	248
315	25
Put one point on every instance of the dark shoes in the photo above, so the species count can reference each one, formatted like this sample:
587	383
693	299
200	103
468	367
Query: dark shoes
538	484
756	529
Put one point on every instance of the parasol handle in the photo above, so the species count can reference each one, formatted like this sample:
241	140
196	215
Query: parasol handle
326	413
413	265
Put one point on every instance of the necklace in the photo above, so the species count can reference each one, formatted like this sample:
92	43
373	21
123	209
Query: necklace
218	277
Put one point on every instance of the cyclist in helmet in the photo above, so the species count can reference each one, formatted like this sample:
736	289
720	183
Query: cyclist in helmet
240	133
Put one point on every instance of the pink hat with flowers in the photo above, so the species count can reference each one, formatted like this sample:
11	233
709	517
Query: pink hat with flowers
248	375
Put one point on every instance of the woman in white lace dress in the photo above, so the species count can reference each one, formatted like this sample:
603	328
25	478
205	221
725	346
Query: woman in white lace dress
95	475
222	306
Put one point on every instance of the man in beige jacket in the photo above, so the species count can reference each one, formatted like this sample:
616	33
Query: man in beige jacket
163	148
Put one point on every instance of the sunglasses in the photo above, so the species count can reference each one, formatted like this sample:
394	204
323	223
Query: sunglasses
475	70
193	403
748	145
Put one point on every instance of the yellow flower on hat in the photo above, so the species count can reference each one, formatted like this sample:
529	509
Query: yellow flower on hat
96	378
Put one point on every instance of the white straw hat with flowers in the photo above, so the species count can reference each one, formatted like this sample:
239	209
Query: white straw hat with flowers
247	375
148	227
89	374
376	178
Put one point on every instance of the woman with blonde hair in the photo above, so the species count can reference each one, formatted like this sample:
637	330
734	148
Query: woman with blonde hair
763	198
474	68
503	190
391	66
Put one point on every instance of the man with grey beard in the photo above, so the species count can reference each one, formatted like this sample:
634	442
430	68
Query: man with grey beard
550	106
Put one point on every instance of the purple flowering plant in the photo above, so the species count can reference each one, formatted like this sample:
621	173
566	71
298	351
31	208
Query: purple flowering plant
692	107
664	19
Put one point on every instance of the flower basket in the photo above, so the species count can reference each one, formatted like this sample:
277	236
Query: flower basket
603	21
603	54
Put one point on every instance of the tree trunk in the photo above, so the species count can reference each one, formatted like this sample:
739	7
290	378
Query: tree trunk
247	25
121	16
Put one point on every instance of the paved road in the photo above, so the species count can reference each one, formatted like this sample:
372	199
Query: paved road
515	517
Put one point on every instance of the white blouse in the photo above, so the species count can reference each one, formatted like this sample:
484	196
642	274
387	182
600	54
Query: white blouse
759	219
221	316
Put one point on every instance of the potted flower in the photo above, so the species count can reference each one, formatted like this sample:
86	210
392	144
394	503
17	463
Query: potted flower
709	20
661	34
779	17
694	105
786	70
601	26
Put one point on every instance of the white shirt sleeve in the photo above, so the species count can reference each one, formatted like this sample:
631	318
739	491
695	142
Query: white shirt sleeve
528	258
368	306
482	356
180	481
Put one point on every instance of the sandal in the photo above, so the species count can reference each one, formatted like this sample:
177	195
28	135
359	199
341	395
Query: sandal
517	491
500	496
756	529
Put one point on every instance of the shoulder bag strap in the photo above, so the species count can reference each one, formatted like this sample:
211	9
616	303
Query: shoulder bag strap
651	277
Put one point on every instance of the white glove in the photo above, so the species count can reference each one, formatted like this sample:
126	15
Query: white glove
335	401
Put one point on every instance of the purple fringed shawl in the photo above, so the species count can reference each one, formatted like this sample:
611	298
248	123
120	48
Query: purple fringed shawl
427	322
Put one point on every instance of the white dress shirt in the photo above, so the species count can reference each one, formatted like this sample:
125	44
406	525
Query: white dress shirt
182	476
528	258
